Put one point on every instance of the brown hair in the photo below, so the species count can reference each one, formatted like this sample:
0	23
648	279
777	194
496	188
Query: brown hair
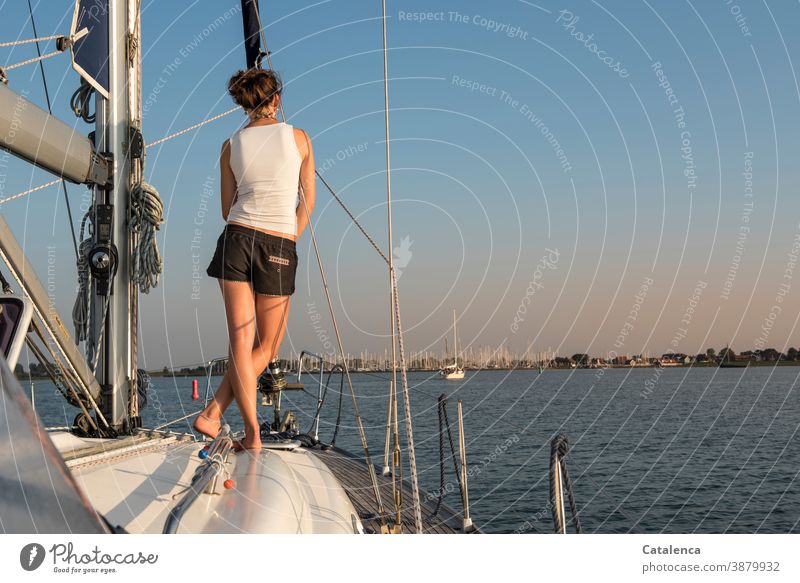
254	88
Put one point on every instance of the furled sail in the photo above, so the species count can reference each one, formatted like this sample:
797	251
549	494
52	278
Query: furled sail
252	32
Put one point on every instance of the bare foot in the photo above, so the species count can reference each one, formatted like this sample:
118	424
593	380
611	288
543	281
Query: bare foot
207	426
247	444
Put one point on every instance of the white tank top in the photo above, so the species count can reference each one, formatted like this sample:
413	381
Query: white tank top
266	164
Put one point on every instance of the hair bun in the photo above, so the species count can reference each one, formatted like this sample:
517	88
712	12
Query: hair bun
254	88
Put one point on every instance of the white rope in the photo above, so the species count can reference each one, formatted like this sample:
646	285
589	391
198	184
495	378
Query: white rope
33	60
30	40
29	191
395	302
147	214
194	127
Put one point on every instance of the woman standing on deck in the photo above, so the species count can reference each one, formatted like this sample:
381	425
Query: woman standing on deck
255	261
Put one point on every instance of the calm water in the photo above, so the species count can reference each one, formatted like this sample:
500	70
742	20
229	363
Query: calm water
677	450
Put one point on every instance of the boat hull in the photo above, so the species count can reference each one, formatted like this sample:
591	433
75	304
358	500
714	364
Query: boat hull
275	491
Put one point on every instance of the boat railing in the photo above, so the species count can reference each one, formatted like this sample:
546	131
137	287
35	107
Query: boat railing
322	386
204	479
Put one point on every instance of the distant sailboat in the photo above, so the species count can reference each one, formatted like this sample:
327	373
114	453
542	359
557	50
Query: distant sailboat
453	372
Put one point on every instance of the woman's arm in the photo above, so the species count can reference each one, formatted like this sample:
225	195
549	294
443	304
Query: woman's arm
308	181
227	182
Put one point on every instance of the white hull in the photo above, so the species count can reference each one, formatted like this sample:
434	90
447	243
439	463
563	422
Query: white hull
276	491
452	375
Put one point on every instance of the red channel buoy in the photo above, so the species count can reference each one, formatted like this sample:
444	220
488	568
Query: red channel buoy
195	394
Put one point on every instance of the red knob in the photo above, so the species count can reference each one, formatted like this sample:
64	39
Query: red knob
229	484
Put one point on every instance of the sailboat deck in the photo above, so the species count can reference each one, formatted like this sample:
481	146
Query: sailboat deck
352	472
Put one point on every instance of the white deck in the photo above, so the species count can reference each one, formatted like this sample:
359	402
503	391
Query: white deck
276	491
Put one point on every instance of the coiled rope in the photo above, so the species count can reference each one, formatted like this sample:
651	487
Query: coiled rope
143	384
147	214
80	311
81	100
559	448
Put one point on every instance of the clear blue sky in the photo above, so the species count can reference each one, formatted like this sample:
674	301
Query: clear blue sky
513	133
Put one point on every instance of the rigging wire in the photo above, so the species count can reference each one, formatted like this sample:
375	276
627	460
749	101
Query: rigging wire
393	413
50	111
395	302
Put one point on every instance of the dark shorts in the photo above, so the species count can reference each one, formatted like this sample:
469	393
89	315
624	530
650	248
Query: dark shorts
267	261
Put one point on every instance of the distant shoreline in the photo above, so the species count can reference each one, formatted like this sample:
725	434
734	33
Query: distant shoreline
733	364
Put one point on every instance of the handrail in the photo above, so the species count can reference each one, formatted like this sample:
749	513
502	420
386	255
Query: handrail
203	479
323	388
462	450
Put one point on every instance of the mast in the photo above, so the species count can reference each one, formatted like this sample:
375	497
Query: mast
115	297
455	342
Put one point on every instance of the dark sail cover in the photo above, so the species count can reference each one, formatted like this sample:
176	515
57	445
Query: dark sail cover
252	32
37	492
90	51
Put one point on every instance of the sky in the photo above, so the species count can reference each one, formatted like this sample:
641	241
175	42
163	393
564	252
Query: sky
603	177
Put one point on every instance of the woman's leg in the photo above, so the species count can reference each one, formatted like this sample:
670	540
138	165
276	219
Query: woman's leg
265	348
272	315
239	309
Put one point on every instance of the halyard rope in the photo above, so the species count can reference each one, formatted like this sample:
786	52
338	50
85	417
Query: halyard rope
29	191
30	40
